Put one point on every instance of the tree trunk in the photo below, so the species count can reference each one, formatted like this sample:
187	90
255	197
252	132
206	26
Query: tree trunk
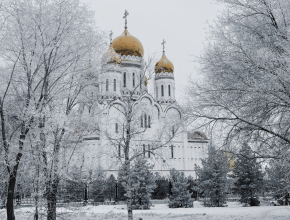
11	184
10	196
51	201
128	190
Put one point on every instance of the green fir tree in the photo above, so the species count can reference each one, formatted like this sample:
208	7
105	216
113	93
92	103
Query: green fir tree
143	183
213	178
248	177
180	196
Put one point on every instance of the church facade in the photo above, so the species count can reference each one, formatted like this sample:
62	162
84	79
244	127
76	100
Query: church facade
123	106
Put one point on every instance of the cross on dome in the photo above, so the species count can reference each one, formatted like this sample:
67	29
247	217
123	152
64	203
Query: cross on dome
111	35
163	43
125	16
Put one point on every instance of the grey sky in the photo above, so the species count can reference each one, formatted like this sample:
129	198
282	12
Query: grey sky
181	23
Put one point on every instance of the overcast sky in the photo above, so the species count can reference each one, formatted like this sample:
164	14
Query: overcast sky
182	23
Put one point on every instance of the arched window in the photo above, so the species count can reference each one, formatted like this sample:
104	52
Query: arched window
162	90
142	121
116	128
172	155
134	80
149	121
169	92
156	91
107	85
149	150
124	80
145	120
115	85
119	150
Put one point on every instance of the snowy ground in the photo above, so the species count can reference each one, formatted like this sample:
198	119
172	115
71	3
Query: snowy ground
234	211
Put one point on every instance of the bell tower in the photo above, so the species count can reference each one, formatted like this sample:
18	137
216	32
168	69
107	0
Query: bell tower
164	80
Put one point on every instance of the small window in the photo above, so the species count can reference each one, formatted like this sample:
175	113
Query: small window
162	90
119	150
144	150
172	155
169	92
116	128
115	85
142	121
107	85
124	80
156	92
133	79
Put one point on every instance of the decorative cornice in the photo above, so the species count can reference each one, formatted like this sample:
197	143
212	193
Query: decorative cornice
131	58
165	75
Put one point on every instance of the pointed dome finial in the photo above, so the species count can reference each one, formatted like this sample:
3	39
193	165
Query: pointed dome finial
125	16
111	35
163	43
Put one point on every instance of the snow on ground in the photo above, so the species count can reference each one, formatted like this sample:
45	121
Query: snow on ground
234	211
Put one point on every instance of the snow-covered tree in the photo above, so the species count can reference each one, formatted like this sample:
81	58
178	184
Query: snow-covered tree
180	196
212	178
277	181
143	183
244	87
45	46
248	176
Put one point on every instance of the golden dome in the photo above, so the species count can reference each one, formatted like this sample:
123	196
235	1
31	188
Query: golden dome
111	56
126	44
164	65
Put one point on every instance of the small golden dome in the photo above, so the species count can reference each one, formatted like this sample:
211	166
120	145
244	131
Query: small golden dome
126	44
164	65
111	56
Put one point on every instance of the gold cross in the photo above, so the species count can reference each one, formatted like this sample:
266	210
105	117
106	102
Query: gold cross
125	16
163	42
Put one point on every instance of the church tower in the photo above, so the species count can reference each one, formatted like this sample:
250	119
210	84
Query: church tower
111	74
164	80
131	51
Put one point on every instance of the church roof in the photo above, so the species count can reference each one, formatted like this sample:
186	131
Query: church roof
196	135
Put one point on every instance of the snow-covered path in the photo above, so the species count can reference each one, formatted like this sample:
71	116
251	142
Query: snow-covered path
233	212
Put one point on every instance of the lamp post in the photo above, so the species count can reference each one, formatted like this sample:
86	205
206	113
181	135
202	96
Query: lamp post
85	192
116	199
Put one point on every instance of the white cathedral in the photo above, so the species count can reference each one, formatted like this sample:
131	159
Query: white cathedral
156	123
